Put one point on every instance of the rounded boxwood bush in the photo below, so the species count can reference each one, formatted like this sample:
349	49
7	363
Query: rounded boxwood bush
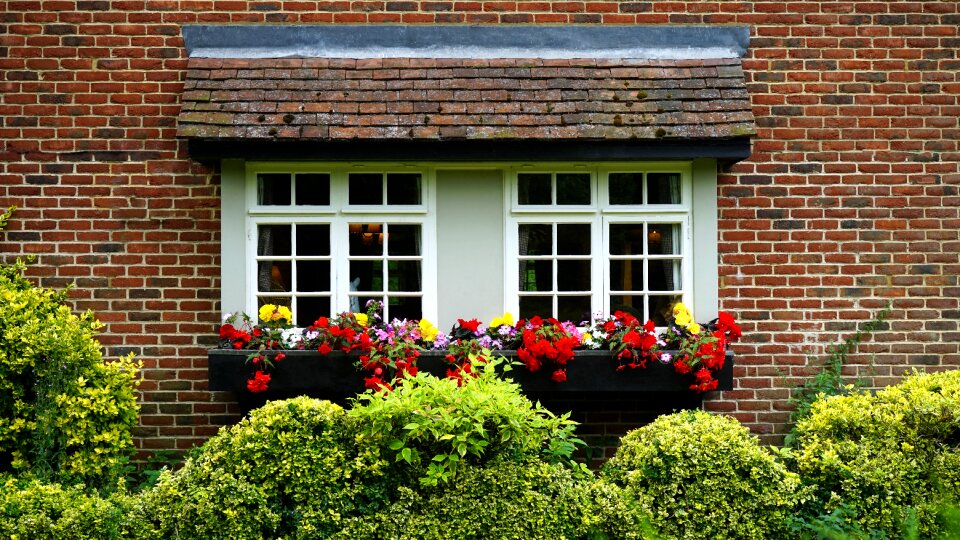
65	414
704	476
890	458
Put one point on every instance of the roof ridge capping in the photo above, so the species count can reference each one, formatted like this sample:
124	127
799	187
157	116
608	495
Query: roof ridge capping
653	42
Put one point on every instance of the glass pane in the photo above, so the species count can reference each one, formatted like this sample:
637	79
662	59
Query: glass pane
626	275
404	276
311	308
366	275
573	308
366	188
273	189
664	275
663	188
627	303
403	239
573	275
536	275
536	305
573	188
273	276
663	239
366	239
273	240
405	307
626	238
275	300
573	238
661	308
313	189
313	276
534	188
313	240
625	188
403	189
536	239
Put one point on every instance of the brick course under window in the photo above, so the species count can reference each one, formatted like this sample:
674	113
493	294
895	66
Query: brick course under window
849	201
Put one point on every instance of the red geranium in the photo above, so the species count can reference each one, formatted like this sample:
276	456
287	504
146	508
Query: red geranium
259	382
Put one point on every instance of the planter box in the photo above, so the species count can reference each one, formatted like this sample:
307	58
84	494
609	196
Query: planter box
334	376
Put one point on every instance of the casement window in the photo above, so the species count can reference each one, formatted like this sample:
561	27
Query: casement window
323	241
586	242
471	240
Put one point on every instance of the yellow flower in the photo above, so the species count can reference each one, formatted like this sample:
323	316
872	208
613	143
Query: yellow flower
694	328
428	332
266	312
362	319
504	320
270	313
283	312
679	308
683	319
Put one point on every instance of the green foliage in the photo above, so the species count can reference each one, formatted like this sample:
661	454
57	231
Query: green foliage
704	476
65	414
436	426
289	470
829	380
890	458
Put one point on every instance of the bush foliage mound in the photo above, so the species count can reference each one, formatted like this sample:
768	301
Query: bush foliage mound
65	414
704	476
890	458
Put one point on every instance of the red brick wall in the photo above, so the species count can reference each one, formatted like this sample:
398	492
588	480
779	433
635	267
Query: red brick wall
850	200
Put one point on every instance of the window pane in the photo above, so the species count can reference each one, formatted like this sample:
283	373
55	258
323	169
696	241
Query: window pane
405	307
663	239
366	275
313	276
273	240
403	239
626	238
358	304
573	188
573	275
627	303
403	189
536	305
626	275
573	239
313	240
573	308
536	275
311	308
366	188
536	239
534	188
663	188
625	188
313	189
273	189
661	308
366	239
273	276
664	275
404	276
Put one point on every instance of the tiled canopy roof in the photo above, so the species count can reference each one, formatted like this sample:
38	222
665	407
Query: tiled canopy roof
464	99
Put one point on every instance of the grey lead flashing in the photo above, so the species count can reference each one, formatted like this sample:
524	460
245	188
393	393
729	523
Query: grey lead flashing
452	41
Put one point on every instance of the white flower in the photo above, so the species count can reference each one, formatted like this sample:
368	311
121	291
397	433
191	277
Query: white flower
666	357
227	316
291	337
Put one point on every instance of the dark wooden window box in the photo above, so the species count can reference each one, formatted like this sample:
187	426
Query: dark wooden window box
335	377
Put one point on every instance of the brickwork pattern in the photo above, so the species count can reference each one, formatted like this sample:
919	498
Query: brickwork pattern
849	201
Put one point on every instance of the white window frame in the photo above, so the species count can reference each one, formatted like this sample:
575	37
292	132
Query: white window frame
339	214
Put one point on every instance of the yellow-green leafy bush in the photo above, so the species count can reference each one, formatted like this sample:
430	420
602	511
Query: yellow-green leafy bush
290	470
65	414
704	476
887	457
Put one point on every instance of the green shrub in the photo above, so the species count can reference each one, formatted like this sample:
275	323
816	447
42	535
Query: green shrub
290	470
435	426
65	414
704	476
35	511
887	457
505	500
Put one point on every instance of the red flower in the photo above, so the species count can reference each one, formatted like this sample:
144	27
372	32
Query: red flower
376	383
728	326
322	322
559	376
471	326
280	356
649	326
681	367
259	381
324	349
227	331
